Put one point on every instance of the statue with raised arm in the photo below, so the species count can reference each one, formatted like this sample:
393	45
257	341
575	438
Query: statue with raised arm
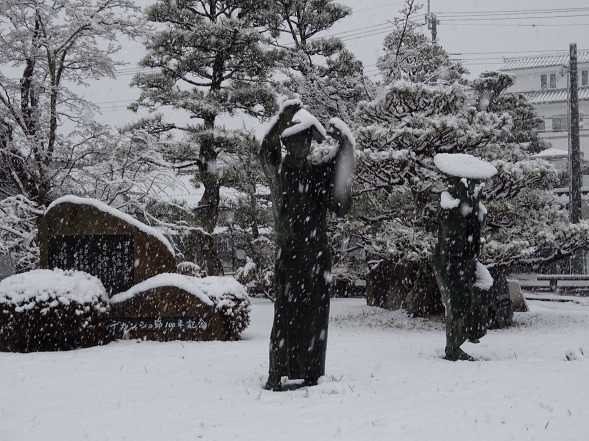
463	281
303	193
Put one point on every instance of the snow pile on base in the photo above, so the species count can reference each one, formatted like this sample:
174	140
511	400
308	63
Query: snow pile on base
116	213
464	166
484	279
51	288
213	290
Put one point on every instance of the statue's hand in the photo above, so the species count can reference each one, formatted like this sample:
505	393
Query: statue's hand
336	133
288	111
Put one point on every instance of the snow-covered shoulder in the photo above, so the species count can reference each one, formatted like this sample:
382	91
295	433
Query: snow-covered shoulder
447	202
463	165
484	280
116	213
52	287
210	290
303	120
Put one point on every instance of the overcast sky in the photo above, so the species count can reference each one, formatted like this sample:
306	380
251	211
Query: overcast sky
480	32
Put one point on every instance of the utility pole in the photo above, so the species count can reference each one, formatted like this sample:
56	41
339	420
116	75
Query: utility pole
575	154
432	22
574	134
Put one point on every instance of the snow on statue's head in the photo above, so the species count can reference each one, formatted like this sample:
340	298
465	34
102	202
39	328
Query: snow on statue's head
466	173
303	129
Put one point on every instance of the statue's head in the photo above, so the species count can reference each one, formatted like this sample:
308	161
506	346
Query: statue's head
303	129
298	144
465	189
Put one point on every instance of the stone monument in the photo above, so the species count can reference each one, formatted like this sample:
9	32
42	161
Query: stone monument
179	307
303	193
87	235
463	281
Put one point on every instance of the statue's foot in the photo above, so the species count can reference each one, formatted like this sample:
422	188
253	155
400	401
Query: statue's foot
474	340
273	384
458	355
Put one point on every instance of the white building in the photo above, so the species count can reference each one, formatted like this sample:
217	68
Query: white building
544	80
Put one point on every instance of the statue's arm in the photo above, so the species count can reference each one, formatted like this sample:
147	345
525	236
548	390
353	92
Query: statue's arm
343	167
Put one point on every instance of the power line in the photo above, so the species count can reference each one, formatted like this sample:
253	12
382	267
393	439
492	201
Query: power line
531	17
512	12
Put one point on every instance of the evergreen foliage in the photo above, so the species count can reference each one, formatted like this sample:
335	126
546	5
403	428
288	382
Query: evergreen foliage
320	70
208	60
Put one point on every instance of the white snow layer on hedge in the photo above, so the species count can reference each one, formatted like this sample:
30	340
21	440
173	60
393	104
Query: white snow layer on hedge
212	290
53	286
464	166
114	212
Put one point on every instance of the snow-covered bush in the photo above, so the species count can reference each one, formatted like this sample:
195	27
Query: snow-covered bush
52	310
258	281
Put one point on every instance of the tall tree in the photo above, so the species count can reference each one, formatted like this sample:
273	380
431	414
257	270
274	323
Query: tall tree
397	184
46	48
409	55
208	60
491	94
320	70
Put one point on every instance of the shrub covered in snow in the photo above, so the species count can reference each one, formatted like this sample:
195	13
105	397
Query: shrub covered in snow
258	281
51	310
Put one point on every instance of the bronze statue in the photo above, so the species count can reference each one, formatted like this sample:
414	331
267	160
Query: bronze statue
302	194
463	281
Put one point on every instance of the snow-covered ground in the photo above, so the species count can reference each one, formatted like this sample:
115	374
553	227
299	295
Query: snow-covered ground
386	381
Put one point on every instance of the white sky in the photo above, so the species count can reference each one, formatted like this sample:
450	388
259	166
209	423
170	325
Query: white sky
481	40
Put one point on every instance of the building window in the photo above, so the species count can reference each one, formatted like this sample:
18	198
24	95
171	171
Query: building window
553	81
560	123
543	82
541	127
584	78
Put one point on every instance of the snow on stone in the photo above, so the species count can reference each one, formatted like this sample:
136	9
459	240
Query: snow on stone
50	287
212	291
447	201
484	280
303	120
114	212
464	166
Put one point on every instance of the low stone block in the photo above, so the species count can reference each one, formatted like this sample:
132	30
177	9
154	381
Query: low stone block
515	294
178	307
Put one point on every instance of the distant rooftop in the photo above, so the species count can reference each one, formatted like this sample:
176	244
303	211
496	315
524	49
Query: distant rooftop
518	63
547	96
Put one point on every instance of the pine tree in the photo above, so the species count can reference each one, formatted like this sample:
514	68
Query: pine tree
409	55
320	70
209	61
397	184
